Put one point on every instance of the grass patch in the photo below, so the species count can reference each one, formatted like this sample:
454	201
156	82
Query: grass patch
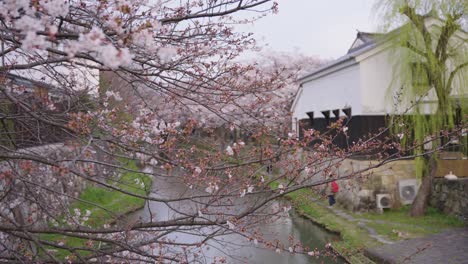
354	239
396	224
115	203
79	246
111	205
432	218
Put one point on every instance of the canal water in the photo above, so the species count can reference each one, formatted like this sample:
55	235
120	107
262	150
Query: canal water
235	248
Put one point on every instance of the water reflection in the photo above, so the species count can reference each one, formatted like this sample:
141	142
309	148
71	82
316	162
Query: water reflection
236	248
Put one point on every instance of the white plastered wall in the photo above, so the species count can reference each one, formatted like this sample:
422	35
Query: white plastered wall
378	82
336	90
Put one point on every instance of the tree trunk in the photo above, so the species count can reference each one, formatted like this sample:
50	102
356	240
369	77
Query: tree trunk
421	201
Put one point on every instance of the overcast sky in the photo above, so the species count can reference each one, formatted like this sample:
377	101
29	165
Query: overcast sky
315	27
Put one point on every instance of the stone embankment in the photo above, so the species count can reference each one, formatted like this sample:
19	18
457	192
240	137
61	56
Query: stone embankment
451	196
35	193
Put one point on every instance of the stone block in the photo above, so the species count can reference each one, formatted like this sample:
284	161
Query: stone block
443	197
445	188
464	184
464	201
455	208
440	205
464	210
365	193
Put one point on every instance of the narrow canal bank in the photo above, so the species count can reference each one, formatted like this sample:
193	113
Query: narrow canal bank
360	231
238	249
353	240
310	222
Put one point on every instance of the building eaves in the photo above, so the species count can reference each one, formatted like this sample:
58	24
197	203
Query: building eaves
22	81
364	39
342	60
361	47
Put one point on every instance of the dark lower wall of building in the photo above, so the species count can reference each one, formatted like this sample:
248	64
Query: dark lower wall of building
358	127
20	129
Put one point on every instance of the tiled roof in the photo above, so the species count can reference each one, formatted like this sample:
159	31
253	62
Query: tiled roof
349	56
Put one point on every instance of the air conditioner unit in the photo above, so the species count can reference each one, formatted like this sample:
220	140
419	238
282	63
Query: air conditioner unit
408	190
384	200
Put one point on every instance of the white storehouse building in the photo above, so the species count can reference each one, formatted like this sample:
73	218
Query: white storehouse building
361	84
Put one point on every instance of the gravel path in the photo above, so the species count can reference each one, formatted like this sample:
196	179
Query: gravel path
449	247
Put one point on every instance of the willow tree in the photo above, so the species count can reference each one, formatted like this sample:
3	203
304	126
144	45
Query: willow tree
431	58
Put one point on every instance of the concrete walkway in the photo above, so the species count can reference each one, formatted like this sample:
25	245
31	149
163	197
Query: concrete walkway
450	247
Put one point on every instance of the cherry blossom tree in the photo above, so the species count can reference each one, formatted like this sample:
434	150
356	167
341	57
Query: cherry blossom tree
126	82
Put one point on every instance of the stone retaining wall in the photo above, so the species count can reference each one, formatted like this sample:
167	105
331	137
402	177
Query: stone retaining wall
36	194
33	192
451	197
359	193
